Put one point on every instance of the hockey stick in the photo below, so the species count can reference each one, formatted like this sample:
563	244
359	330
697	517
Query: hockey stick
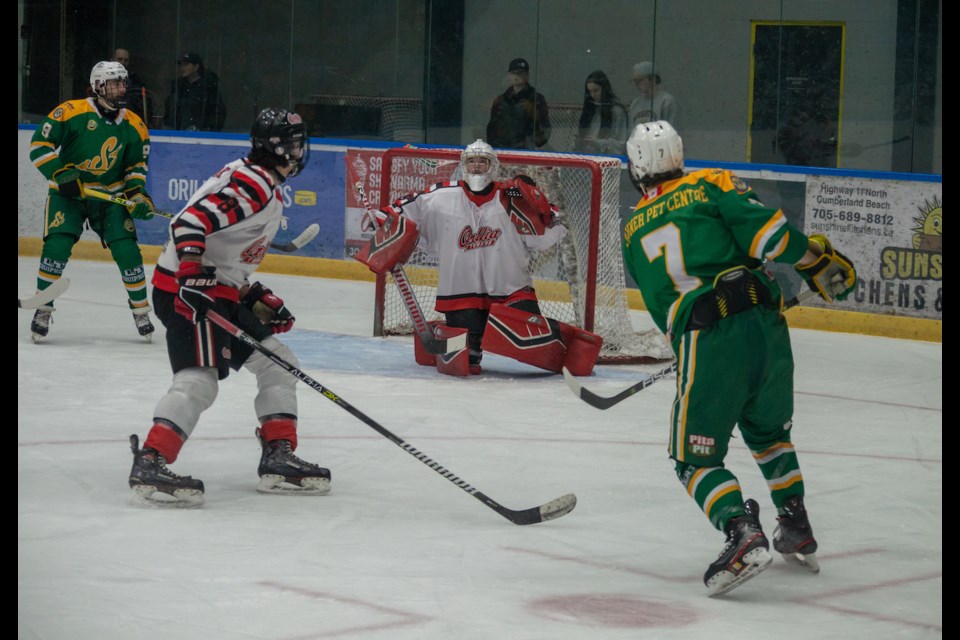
46	296
605	402
297	243
431	343
549	511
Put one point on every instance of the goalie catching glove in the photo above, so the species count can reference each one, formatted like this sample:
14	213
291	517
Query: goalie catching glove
528	207
269	308
832	274
393	243
143	205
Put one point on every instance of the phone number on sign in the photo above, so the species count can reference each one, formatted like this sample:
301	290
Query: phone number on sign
854	216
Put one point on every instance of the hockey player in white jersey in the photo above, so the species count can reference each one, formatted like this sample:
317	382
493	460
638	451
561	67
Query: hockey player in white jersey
215	244
482	232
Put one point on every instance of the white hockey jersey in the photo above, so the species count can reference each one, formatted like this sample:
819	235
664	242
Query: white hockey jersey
231	221
483	259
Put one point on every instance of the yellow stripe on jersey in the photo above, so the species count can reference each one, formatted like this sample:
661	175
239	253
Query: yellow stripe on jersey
762	457
724	489
685	374
763	236
792	478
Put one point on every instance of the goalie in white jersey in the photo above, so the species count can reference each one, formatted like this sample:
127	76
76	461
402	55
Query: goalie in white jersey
483	232
216	243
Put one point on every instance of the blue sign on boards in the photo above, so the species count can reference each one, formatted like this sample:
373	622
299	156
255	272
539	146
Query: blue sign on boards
177	169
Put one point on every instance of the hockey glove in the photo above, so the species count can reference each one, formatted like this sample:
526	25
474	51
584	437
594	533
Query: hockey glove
832	274
269	308
68	182
195	296
143	209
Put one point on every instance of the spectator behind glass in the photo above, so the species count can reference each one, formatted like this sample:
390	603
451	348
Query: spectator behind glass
653	103
603	121
519	118
194	103
136	90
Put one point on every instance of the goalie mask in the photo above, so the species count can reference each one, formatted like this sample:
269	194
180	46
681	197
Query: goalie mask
280	137
108	80
479	165
654	149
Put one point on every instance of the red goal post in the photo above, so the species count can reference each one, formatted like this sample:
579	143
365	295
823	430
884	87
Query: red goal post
581	281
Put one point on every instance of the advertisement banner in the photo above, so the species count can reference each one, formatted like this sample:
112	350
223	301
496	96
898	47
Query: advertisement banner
892	231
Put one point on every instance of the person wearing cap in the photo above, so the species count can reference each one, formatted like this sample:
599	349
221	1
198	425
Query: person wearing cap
194	102
519	118
653	103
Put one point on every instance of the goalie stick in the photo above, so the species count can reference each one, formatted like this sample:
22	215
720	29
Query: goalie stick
46	296
431	343
296	244
605	402
549	511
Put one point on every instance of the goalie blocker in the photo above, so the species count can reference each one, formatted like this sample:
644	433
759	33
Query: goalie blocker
393	243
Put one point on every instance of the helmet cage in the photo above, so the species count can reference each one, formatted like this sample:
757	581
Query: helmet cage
106	80
479	165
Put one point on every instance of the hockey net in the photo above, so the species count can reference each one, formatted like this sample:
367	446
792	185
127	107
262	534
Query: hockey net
580	281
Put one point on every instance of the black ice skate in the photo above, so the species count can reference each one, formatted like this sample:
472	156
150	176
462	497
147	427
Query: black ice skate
141	319
745	554
154	484
793	537
283	472
40	325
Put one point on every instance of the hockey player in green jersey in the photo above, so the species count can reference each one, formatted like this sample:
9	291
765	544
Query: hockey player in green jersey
695	246
94	143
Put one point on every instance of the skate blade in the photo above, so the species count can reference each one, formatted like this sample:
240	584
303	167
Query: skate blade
808	561
37	338
151	497
275	484
755	562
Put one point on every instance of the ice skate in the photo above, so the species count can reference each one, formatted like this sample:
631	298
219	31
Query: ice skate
745	554
283	472
40	325
141	319
793	537
155	485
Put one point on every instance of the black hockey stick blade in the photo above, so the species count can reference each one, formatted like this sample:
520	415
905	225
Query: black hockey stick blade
549	511
46	296
298	243
605	402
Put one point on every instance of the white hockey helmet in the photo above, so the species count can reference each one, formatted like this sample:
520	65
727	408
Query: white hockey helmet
479	165
103	72
653	148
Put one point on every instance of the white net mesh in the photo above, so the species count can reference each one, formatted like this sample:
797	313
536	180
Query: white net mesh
569	287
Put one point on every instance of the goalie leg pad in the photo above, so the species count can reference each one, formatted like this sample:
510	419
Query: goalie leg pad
392	244
527	337
583	349
456	363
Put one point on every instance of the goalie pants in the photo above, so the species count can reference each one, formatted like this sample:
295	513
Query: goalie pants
475	322
737	372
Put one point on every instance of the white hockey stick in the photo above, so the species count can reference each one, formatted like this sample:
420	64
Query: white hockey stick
297	243
46	296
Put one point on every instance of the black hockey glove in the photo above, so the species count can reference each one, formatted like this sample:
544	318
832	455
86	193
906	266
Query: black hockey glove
196	295
269	308
832	275
68	182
